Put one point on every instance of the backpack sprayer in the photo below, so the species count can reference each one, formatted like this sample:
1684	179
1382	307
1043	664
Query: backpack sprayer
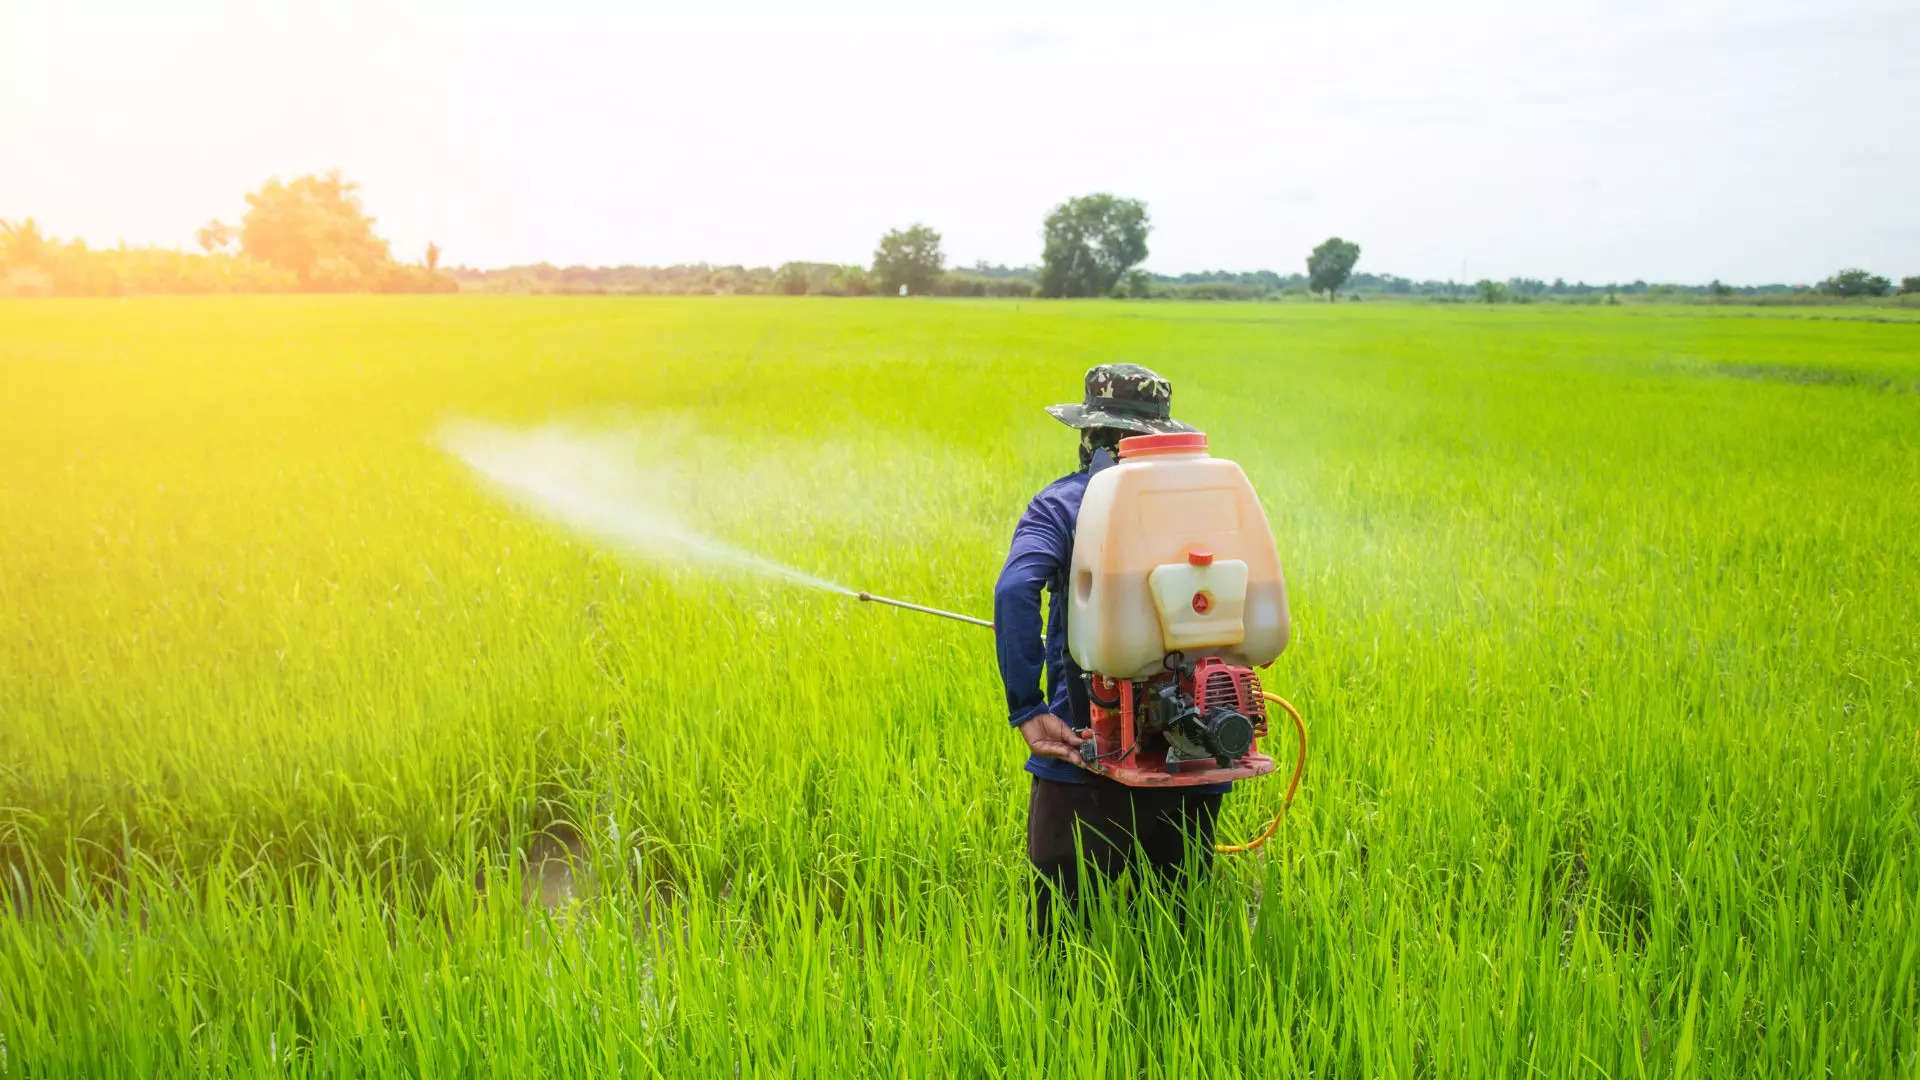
1175	596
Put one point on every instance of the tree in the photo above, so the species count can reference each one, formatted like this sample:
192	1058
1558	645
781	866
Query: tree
297	225
1331	264
1491	292
1855	282
213	236
911	258
433	256
22	244
1090	242
1910	284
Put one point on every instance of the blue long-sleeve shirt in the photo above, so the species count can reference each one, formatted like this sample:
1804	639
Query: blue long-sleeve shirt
1040	558
1041	554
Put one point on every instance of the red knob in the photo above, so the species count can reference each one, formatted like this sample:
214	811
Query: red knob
1200	557
1202	603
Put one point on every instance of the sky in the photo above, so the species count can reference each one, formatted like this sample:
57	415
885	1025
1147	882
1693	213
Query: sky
1750	142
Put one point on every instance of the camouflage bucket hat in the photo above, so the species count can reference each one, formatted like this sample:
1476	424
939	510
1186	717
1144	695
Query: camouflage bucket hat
1124	396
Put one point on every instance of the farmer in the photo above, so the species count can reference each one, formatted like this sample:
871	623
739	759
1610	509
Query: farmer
1114	823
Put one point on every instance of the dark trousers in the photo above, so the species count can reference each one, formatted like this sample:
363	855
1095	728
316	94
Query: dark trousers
1118	828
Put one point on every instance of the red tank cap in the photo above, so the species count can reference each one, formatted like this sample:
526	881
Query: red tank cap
1199	557
1179	442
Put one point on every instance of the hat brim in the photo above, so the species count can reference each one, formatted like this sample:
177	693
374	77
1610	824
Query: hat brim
1076	415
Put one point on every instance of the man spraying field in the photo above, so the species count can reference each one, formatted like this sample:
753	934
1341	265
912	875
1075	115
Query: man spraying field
1095	805
1136	695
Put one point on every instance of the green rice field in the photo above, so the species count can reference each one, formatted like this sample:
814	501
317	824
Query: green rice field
319	757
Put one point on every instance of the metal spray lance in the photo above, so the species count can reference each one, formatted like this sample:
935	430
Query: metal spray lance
924	610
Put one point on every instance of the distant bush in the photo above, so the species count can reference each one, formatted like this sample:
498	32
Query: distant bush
959	285
25	281
334	273
1855	282
400	278
964	284
1909	285
686	279
807	279
73	269
848	281
791	279
1212	290
1134	285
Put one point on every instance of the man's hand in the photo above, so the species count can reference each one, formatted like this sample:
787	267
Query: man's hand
1049	736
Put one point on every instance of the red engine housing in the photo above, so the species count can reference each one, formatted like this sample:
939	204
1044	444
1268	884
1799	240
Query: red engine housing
1126	749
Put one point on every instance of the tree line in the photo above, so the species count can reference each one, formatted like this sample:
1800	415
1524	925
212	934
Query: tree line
311	234
1091	246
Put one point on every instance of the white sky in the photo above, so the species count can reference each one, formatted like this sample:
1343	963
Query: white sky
1750	141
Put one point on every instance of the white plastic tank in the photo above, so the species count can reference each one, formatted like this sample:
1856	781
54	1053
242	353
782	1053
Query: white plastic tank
1172	552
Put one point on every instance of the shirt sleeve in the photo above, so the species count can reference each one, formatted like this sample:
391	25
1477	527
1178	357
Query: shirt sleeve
1041	547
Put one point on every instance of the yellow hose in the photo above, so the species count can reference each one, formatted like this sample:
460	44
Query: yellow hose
1299	766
